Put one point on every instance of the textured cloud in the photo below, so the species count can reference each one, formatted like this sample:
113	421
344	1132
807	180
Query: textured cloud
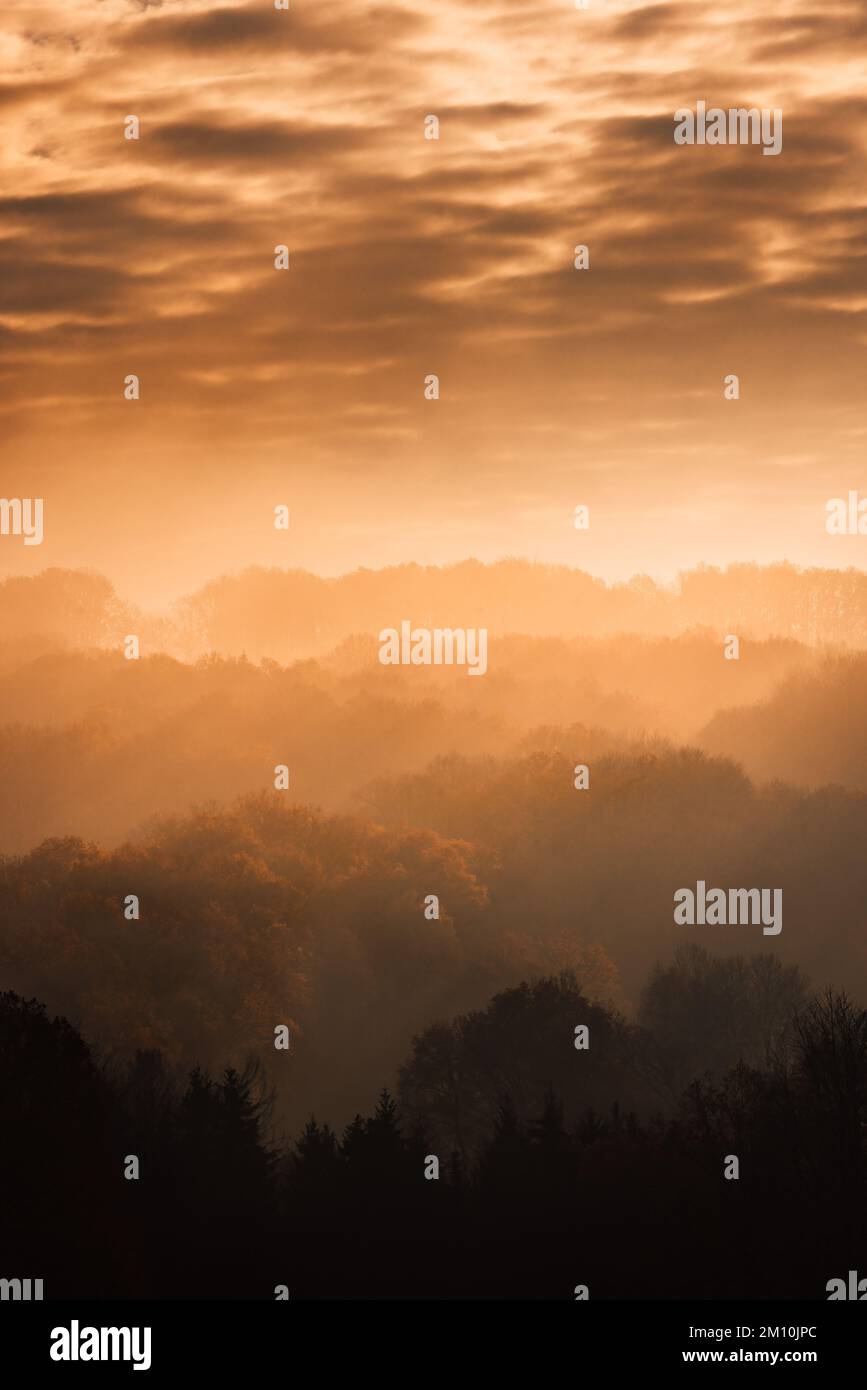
452	256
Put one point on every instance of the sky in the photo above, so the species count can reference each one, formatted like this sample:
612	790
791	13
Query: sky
409	257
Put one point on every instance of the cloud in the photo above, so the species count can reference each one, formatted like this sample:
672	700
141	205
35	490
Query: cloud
653	22
411	256
254	28
210	143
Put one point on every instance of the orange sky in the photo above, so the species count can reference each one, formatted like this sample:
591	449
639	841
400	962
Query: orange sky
410	257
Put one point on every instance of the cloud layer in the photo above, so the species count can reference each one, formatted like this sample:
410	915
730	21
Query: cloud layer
411	256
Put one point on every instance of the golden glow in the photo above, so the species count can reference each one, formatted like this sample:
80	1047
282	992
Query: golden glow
410	257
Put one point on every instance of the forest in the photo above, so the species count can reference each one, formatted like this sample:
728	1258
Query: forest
432	910
502	1168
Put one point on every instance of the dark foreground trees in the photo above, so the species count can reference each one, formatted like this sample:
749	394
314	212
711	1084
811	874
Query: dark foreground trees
530	1175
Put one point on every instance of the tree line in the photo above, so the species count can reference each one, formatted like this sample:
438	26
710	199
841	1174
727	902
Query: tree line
557	1168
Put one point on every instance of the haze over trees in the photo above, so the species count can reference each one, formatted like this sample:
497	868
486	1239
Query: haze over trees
93	744
266	912
501	1170
289	614
309	910
305	907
